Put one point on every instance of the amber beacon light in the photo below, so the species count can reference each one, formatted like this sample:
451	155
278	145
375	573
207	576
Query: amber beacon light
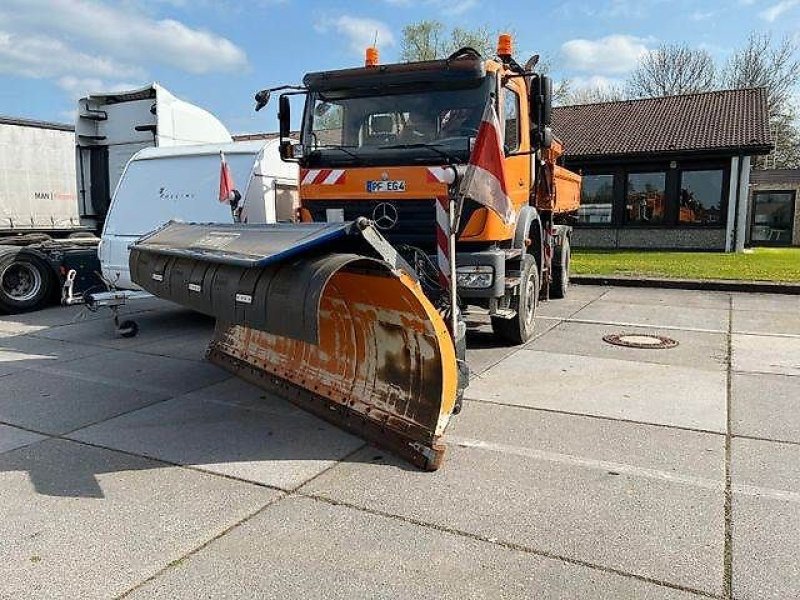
372	57
505	45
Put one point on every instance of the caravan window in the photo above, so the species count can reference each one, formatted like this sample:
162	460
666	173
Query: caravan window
185	188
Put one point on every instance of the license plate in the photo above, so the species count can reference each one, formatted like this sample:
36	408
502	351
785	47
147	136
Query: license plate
394	185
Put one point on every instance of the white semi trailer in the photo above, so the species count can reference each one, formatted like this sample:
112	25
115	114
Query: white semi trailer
49	217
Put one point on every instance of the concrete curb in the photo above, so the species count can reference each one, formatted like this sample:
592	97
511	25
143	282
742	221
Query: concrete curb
716	285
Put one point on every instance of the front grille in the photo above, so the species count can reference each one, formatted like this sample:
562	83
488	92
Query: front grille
416	219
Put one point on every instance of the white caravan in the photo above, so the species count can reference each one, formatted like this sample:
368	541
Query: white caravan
182	183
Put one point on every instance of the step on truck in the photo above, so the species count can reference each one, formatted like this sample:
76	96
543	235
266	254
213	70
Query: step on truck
345	313
57	180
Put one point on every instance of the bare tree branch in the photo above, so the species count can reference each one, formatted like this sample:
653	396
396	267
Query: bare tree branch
672	69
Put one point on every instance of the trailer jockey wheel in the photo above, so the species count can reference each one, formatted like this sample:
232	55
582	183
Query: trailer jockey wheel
128	329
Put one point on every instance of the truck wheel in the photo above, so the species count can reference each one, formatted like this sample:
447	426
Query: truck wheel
519	329
26	282
560	283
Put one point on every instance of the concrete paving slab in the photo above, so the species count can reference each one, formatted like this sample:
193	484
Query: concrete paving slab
157	374
562	309
275	445
766	354
782	323
660	297
26	351
301	548
485	350
620	389
82	522
154	326
656	523
766	555
696	349
189	346
57	403
652	449
12	438
711	319
766	406
781	303
585	293
766	519
769	466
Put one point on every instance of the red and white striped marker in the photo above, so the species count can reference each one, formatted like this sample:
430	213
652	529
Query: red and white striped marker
443	240
322	177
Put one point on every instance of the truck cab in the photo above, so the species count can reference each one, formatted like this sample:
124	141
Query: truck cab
377	142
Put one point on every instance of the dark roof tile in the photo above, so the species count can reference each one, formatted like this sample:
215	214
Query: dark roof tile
721	120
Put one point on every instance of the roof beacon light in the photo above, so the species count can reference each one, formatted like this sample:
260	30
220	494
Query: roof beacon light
505	45
372	57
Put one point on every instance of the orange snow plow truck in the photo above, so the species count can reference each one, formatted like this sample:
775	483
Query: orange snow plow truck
347	313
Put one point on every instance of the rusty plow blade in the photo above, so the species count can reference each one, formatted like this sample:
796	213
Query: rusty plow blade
325	315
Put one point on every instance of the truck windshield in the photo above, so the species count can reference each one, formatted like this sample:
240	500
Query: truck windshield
366	127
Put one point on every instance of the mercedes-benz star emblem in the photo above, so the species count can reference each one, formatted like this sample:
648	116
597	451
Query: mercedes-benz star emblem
385	216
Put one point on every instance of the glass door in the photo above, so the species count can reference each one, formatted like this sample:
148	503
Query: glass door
773	219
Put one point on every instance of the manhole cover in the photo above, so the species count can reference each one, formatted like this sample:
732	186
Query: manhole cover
640	340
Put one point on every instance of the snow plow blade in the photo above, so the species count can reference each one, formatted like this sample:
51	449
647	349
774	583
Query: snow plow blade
328	316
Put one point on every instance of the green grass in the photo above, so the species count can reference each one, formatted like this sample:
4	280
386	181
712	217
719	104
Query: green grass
762	264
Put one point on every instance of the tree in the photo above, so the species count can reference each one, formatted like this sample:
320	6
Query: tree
672	69
591	94
428	40
422	41
762	62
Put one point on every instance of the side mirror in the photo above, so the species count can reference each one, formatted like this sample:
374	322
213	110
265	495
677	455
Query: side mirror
284	118
262	98
546	84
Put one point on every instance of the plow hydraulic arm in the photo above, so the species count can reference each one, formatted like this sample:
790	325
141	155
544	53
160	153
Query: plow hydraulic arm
328	316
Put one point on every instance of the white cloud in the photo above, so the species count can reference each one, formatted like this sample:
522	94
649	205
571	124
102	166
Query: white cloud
359	32
613	54
41	56
776	10
122	34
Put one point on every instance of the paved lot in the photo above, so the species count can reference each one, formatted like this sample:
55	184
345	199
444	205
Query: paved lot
576	470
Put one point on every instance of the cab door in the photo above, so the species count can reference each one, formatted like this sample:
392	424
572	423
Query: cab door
515	129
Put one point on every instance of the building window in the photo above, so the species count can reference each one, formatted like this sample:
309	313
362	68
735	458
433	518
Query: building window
645	198
597	199
700	199
773	218
511	119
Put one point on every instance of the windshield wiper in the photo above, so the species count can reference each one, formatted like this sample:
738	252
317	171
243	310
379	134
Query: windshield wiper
449	157
343	149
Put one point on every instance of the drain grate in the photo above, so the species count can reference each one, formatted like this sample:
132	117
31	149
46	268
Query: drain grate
640	340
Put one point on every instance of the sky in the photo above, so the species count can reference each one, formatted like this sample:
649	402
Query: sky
218	54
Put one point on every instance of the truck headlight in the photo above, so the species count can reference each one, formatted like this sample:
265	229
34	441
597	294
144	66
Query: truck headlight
475	276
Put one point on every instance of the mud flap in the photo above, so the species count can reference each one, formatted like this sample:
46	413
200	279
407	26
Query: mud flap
322	315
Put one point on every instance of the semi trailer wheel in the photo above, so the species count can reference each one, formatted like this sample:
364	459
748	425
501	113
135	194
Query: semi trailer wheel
560	282
519	329
26	282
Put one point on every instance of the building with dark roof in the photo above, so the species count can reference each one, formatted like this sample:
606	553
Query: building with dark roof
670	173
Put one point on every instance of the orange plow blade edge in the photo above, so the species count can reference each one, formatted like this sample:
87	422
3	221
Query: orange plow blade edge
327	316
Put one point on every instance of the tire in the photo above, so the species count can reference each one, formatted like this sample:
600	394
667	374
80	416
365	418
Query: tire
519	329
26	282
560	284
